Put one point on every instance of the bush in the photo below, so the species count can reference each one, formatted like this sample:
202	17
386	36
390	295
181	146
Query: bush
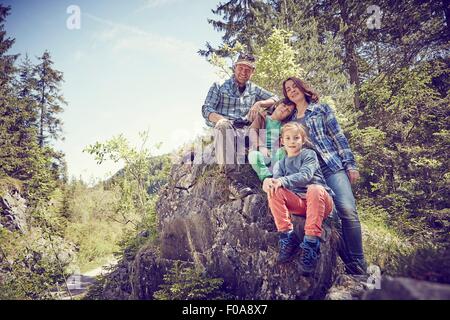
189	283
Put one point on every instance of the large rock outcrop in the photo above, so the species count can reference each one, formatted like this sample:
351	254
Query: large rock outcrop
232	239
12	207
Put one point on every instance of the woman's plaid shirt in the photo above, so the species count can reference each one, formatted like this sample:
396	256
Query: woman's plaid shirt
327	136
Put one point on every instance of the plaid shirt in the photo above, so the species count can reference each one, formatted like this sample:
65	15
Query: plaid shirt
226	100
328	138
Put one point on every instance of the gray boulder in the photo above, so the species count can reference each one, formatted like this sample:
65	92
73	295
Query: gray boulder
408	289
12	209
232	239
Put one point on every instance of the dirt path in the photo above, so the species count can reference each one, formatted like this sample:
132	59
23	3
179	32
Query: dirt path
79	284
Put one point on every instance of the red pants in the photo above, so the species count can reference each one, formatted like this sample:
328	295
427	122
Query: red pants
316	207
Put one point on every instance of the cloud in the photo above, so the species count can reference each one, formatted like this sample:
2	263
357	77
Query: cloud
150	4
127	38
78	55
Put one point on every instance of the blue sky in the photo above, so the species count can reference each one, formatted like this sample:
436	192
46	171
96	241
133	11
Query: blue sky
132	66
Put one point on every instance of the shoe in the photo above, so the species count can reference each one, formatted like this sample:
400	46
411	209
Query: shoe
238	190
288	245
309	256
358	267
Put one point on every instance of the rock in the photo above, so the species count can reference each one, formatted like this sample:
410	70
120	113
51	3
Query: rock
408	289
12	210
234	240
347	287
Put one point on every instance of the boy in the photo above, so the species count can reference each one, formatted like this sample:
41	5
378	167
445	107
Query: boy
264	136
298	186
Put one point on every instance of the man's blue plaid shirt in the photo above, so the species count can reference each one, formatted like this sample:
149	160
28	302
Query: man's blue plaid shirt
327	137
226	100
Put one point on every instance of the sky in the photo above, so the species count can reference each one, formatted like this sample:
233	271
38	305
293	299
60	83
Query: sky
128	66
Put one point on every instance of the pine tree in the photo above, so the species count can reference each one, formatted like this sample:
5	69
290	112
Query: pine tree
50	100
240	21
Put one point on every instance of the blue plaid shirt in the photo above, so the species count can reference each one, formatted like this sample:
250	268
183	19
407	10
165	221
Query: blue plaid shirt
226	100
327	136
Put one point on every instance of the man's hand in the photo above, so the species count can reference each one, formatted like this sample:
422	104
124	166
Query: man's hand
222	121
353	175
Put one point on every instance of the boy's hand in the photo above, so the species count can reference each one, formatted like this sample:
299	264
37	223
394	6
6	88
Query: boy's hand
271	185
265	152
266	183
276	184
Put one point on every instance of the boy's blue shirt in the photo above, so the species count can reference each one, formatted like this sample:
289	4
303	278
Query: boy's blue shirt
297	173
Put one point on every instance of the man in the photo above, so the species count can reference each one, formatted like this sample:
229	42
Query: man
225	103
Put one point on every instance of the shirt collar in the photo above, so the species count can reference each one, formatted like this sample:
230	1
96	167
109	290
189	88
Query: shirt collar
309	108
235	87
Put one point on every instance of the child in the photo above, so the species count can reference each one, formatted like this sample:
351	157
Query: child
267	141
298	187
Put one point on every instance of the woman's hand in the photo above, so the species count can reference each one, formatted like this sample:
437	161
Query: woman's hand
353	175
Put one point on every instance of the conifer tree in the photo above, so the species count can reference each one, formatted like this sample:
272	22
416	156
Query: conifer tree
50	100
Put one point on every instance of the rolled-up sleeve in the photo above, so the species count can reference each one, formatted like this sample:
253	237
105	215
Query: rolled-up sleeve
263	94
211	102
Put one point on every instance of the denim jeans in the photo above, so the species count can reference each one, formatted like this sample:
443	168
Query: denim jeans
346	208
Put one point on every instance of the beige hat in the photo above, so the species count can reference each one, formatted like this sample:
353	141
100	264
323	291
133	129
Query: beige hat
247	59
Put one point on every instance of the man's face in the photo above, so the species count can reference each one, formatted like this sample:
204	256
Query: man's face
242	73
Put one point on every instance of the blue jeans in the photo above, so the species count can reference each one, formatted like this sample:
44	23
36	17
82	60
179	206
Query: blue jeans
346	208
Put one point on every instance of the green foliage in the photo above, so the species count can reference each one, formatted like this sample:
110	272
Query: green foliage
188	283
140	174
383	244
31	264
92	225
427	263
276	62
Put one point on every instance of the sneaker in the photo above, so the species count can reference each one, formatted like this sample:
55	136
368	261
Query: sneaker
309	257
288	244
238	190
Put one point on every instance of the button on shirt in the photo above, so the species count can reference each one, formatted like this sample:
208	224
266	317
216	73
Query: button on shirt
226	100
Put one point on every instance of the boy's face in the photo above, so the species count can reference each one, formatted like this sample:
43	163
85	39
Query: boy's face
282	111
292	141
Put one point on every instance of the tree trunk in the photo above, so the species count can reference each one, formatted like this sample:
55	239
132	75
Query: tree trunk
350	52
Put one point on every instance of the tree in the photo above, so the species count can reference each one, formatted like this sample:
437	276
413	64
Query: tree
50	100
240	23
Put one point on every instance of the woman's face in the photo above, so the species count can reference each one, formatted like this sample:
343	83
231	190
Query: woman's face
293	93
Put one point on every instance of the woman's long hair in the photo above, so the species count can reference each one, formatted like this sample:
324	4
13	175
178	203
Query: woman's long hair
310	94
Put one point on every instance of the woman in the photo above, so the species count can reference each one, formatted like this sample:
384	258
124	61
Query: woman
336	161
